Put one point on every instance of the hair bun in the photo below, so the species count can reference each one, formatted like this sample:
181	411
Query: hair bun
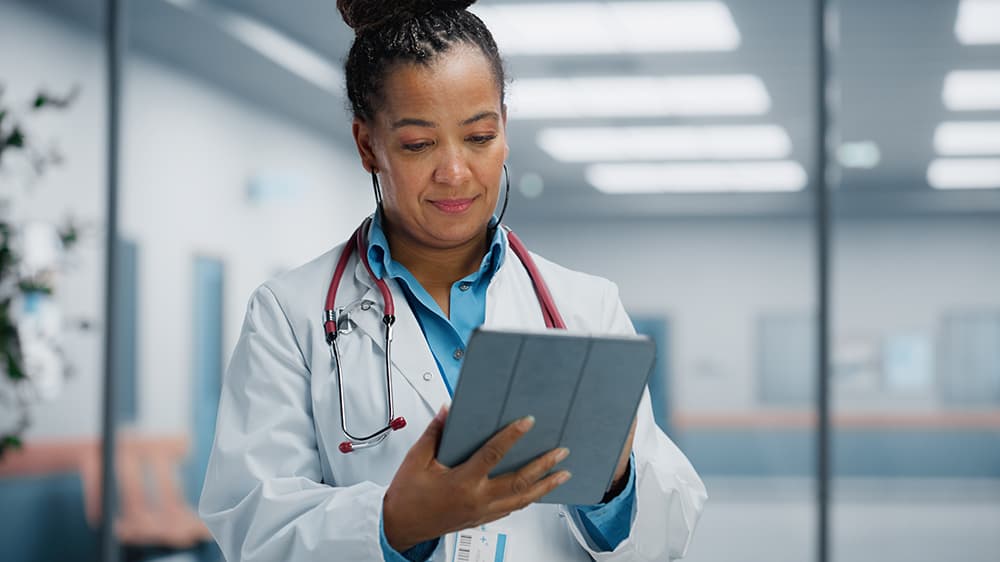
366	14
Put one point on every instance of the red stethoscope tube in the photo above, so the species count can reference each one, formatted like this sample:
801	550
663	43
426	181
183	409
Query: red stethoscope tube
330	326
549	311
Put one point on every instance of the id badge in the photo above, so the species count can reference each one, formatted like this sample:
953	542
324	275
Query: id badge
480	545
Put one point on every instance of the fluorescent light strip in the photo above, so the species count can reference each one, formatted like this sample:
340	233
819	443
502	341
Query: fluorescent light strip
593	28
978	22
698	177
964	173
609	144
285	51
638	96
972	90
969	138
271	43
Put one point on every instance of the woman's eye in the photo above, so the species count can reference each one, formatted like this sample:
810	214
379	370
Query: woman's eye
416	146
482	139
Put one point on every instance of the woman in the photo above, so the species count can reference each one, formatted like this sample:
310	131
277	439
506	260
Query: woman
427	89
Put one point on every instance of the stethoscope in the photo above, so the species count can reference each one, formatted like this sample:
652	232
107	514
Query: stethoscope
336	321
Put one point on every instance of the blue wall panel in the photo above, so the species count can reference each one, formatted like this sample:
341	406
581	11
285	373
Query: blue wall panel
207	368
657	328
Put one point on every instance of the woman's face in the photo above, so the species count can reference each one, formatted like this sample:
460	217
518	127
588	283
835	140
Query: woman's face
438	143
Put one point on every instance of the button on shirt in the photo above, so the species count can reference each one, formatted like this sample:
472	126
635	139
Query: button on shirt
607	524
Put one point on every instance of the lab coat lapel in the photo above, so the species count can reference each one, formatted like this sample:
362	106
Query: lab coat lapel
411	356
510	298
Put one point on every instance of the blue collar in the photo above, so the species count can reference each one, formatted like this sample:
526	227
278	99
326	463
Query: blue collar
382	263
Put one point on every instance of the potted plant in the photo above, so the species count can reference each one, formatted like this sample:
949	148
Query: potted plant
32	364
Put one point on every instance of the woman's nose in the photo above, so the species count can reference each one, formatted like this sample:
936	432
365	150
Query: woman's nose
453	169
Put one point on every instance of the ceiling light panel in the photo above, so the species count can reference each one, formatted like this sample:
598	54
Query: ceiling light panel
972	90
698	177
964	173
969	138
638	96
593	28
271	43
978	22
608	144
283	50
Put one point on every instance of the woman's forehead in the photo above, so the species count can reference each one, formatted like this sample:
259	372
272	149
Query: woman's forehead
456	82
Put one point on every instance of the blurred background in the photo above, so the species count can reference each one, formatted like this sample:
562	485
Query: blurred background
667	145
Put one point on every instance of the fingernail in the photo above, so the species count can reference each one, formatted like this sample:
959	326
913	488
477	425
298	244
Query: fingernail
564	476
526	423
440	414
562	454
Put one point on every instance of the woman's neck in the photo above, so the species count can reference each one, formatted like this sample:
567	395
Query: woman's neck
437	268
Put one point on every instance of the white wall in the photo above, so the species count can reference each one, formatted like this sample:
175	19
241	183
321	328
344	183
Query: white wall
714	277
189	154
189	151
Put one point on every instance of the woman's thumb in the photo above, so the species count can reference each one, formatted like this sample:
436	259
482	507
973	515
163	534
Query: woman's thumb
428	442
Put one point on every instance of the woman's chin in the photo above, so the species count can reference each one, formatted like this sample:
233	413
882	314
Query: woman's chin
455	233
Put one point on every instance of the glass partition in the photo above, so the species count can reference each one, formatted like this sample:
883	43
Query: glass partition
720	271
916	323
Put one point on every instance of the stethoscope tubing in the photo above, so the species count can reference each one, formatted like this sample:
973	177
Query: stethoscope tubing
549	310
330	326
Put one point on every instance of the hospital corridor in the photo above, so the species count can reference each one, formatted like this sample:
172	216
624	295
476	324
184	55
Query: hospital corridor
795	204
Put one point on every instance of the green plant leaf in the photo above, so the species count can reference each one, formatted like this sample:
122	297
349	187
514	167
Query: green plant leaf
9	442
15	139
10	343
34	286
8	259
44	99
14	370
69	235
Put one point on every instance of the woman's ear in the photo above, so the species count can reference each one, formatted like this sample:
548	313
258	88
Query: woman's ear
363	140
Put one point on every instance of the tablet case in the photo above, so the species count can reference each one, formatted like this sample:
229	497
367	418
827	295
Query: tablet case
583	390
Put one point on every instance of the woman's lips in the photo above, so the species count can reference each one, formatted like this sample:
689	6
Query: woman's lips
452	206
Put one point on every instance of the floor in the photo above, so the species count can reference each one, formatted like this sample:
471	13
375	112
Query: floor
872	521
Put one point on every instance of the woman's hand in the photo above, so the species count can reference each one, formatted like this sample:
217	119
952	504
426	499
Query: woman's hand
427	499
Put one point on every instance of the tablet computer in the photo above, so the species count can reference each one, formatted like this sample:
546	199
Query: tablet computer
583	391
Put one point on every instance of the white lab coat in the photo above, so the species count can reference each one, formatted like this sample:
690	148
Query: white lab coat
277	487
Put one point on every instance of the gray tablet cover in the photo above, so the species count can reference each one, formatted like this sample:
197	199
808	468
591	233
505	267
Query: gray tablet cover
583	390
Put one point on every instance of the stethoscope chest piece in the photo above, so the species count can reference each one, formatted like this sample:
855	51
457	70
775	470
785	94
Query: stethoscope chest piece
344	326
343	316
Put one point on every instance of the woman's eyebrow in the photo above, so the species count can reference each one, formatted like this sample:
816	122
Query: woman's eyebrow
409	121
481	116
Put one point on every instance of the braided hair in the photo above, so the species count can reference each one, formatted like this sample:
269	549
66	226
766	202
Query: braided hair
407	31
